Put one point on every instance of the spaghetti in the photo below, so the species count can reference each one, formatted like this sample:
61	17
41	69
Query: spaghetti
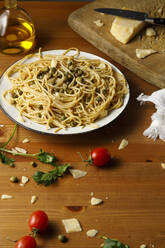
65	91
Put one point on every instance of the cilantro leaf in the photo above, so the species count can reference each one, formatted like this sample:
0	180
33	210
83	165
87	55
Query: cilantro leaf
50	177
113	243
47	157
6	160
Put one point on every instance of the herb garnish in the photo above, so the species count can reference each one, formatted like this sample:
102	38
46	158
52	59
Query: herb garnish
45	178
113	243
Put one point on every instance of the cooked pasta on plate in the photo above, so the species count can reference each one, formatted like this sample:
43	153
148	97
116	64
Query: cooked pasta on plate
63	91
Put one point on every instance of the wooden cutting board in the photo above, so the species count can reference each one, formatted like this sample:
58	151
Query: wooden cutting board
151	68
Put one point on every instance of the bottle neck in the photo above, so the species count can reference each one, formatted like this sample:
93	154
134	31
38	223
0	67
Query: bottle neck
10	4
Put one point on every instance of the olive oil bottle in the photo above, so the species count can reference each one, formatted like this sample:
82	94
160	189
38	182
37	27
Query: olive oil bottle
17	32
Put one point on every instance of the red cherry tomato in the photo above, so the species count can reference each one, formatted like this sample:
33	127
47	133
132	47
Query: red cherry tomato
38	221
26	242
100	156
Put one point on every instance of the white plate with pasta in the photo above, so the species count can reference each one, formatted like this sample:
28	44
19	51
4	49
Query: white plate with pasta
63	92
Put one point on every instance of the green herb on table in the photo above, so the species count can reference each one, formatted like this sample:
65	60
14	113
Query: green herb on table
47	178
40	177
4	159
113	243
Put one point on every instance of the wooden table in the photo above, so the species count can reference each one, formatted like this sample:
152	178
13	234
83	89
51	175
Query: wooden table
132	187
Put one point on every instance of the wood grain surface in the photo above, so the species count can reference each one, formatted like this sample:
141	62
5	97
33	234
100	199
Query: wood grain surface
132	186
152	68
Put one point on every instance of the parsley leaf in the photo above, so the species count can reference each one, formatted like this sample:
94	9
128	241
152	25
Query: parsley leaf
46	157
50	177
6	160
113	243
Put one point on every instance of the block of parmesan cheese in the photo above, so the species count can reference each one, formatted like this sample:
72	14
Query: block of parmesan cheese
124	29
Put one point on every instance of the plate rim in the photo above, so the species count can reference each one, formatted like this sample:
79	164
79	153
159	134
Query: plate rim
90	129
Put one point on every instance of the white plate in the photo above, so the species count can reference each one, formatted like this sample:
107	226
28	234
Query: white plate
12	112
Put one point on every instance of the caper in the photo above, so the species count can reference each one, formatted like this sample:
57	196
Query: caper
14	179
33	164
80	79
39	115
14	95
20	92
62	238
79	72
71	68
63	117
98	98
73	123
53	70
40	107
31	83
51	125
43	72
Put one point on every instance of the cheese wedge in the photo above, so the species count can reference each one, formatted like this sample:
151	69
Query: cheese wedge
142	53
124	29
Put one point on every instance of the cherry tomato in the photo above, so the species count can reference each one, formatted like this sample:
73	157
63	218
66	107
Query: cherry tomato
38	221
100	156
26	242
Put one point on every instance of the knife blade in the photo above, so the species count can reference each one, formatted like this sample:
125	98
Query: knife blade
130	14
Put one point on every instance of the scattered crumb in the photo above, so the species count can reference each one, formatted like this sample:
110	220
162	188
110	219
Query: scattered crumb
96	201
99	23
93	125
72	225
77	173
13	150
91	233
26	140
163	165
123	144
143	246
106	197
5	197
1	125
24	180
33	199
21	184
92	194
142	53
19	149
150	32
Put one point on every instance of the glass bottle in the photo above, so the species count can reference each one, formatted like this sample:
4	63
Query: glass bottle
17	32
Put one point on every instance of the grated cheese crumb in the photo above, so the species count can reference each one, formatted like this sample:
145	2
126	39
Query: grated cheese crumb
163	165
5	197
24	180
150	32
142	53
19	149
123	144
1	125
96	201
77	173
25	140
99	23
33	199
143	246
72	225
91	233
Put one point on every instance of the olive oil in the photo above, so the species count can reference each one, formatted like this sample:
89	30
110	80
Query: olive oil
17	32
